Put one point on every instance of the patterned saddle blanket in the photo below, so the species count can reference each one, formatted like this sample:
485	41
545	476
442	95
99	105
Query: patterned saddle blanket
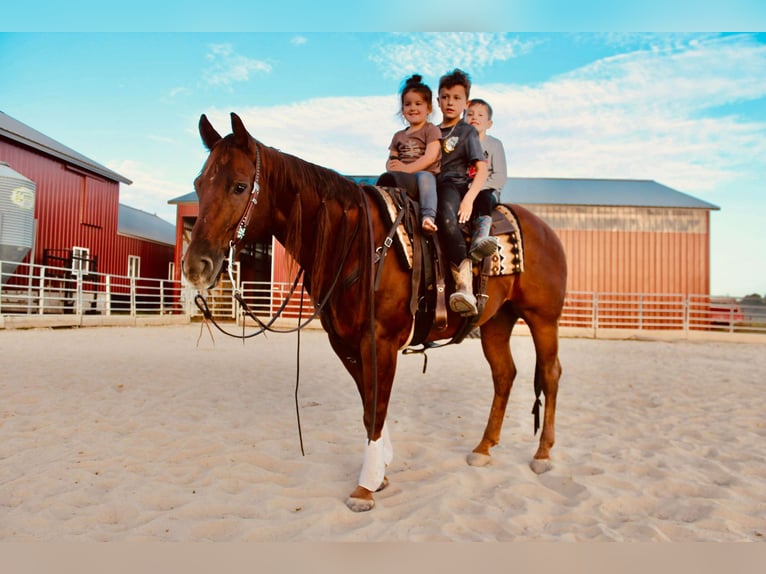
507	260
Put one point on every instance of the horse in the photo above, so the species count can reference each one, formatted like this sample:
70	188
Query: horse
250	192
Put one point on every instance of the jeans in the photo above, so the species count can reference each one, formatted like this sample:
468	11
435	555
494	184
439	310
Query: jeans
450	195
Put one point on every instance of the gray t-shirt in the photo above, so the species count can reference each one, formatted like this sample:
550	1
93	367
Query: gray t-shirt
494	153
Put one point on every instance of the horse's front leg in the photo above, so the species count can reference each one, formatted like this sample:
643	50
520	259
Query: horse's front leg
378	451
378	455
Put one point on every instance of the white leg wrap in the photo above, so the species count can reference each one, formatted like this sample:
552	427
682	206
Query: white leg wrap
377	455
388	448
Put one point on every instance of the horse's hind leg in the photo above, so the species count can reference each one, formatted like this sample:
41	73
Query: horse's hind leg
495	342
547	374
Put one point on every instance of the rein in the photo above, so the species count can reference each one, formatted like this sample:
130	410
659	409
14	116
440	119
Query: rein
239	235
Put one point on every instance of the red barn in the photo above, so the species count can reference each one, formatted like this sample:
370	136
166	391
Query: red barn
79	222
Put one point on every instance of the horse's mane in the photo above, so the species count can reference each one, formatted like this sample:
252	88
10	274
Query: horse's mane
333	196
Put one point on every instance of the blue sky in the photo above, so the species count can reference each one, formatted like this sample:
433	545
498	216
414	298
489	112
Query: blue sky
683	108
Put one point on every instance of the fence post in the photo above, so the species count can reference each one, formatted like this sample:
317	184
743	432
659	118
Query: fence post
41	299
641	312
162	297
108	295
595	316
132	296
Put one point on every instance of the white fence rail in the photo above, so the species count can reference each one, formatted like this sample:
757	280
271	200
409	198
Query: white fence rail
45	290
41	290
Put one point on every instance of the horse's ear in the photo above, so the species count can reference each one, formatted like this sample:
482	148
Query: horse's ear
210	137
241	136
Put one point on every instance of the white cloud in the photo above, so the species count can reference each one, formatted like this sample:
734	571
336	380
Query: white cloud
648	114
350	135
433	54
299	40
149	188
227	67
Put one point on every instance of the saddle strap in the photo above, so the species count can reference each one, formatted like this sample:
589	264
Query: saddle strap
387	243
440	312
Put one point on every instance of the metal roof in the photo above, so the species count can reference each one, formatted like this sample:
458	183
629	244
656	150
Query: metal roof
560	191
601	192
188	198
143	225
22	133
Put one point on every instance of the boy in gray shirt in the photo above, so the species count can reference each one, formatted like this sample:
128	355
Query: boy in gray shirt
479	115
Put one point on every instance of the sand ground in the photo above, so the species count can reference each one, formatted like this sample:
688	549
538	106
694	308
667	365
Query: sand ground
158	434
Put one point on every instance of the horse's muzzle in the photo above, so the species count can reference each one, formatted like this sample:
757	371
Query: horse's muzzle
201	271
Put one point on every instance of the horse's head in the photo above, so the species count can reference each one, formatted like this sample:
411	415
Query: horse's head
224	189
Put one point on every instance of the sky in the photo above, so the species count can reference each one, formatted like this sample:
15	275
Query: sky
686	109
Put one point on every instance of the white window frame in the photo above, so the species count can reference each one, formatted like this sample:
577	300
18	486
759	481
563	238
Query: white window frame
80	260
134	266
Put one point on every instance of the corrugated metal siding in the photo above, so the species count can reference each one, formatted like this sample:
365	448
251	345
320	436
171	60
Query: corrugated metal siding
636	262
74	208
281	264
633	249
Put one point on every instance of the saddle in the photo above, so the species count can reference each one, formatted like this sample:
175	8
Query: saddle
422	255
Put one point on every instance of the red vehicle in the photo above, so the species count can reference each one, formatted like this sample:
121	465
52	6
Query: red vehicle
725	311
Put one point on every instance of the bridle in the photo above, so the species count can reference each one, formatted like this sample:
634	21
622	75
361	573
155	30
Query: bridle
239	235
252	201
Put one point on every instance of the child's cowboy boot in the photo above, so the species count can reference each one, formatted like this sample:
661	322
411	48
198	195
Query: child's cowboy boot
462	300
482	243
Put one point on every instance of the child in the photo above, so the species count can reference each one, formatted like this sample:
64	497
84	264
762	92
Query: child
480	116
415	151
460	197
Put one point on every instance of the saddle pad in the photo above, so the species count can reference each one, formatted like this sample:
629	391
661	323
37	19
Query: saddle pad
509	257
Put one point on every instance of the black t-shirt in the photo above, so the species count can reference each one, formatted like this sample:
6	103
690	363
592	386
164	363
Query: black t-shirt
461	148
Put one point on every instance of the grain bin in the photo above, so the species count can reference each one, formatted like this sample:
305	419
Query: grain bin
17	208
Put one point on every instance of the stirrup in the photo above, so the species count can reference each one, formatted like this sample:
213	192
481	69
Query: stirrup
463	304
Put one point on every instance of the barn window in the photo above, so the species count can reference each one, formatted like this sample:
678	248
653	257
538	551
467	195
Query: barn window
80	260
134	266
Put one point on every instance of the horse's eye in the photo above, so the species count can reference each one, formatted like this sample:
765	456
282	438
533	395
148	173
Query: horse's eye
240	188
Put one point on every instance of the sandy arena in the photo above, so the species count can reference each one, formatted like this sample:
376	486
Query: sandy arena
142	434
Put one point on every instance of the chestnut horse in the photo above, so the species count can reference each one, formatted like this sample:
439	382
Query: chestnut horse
248	191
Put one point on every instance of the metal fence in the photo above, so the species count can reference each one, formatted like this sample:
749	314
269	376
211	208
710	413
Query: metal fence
670	312
44	290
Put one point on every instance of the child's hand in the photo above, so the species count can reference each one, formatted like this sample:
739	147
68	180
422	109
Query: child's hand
464	211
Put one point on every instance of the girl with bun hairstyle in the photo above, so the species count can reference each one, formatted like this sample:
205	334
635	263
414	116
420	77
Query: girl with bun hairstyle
415	152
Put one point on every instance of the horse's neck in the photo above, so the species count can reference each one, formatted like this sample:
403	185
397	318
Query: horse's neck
315	219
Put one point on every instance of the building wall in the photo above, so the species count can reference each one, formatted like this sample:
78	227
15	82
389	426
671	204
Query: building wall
633	250
74	208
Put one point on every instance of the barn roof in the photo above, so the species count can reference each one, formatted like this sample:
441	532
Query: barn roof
15	130
601	192
560	191
143	225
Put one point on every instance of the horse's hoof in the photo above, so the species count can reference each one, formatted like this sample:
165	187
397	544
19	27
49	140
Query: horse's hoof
383	484
540	465
360	504
478	459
